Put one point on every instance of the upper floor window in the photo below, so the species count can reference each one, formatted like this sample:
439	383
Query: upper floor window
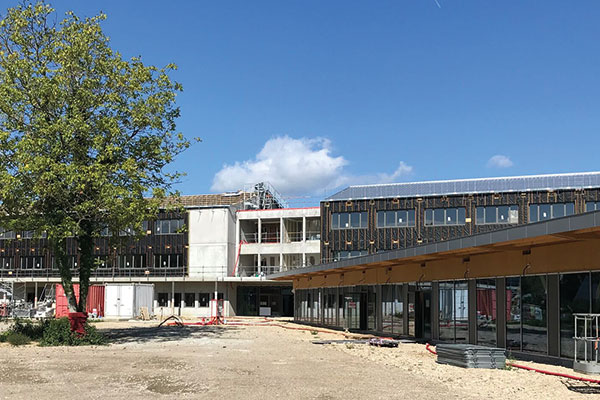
168	260
349	220
395	218
341	255
445	216
592	205
168	226
32	234
542	212
6	234
497	215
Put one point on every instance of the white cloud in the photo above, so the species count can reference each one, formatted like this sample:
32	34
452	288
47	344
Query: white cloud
297	167
499	161
292	166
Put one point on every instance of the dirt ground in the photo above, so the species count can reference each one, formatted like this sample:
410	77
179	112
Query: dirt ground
255	362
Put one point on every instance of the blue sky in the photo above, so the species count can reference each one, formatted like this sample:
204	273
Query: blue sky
314	95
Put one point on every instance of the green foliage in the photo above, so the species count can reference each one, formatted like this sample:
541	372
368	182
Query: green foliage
85	135
58	333
29	328
17	339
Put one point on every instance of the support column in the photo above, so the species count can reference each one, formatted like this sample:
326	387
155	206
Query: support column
304	228
35	296
173	298
472	312
304	259
259	234
281	230
435	310
553	315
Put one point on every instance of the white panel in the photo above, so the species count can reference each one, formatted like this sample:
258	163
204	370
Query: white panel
126	301
111	301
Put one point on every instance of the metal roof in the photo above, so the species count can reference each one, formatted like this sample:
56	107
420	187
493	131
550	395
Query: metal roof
581	180
559	228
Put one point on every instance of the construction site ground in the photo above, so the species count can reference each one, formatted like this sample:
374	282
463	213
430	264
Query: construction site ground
256	362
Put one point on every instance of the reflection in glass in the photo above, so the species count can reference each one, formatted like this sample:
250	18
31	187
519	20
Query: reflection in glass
533	314
486	312
461	311
574	298
446	311
513	313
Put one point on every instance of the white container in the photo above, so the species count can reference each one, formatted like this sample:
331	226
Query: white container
126	300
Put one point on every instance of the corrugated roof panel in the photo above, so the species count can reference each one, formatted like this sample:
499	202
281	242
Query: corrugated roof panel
464	186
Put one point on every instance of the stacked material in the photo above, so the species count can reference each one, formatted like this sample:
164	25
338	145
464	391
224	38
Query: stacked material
383	342
471	356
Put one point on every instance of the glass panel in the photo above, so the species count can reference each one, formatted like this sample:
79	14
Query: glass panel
486	312
590	206
355	220
461	311
513	215
503	214
411	217
438	216
387	308
380	219
428	217
335	221
446	311
461	215
570	208
401	219
574	298
533	289
533	213
398	310
558	210
364	219
451	216
480	219
344	220
490	215
390	216
513	314
544	212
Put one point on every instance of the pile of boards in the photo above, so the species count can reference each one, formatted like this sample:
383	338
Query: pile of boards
471	356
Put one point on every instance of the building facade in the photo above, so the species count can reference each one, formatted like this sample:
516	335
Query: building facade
502	261
191	257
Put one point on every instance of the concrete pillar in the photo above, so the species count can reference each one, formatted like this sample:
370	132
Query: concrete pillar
35	296
303	259
155	304
280	261
173	298
281	230
258	264
259	234
304	228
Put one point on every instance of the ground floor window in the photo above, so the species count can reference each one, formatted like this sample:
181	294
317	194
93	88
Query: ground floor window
486	312
454	311
163	299
392	310
203	299
190	299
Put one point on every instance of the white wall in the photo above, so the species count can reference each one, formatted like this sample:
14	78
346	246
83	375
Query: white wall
211	242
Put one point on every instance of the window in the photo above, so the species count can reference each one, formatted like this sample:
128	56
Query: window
128	261
32	262
542	212
163	299
129	231
454	311
6	262
574	293
497	215
392	309
6	234
103	261
486	312
349	220
168	226
592	205
513	313
340	255
398	218
445	216
168	260
533	313
219	296
190	299
203	299
105	232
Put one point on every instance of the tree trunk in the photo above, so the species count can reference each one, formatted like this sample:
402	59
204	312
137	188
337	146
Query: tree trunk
59	248
86	265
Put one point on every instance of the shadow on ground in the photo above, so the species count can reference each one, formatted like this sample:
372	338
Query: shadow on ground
163	334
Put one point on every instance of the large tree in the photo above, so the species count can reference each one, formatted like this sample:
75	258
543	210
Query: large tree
85	135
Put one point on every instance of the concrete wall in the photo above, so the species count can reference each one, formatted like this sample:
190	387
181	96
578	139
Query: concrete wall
211	242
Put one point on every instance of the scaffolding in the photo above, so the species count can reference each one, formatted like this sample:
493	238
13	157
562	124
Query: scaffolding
587	340
14	302
262	196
